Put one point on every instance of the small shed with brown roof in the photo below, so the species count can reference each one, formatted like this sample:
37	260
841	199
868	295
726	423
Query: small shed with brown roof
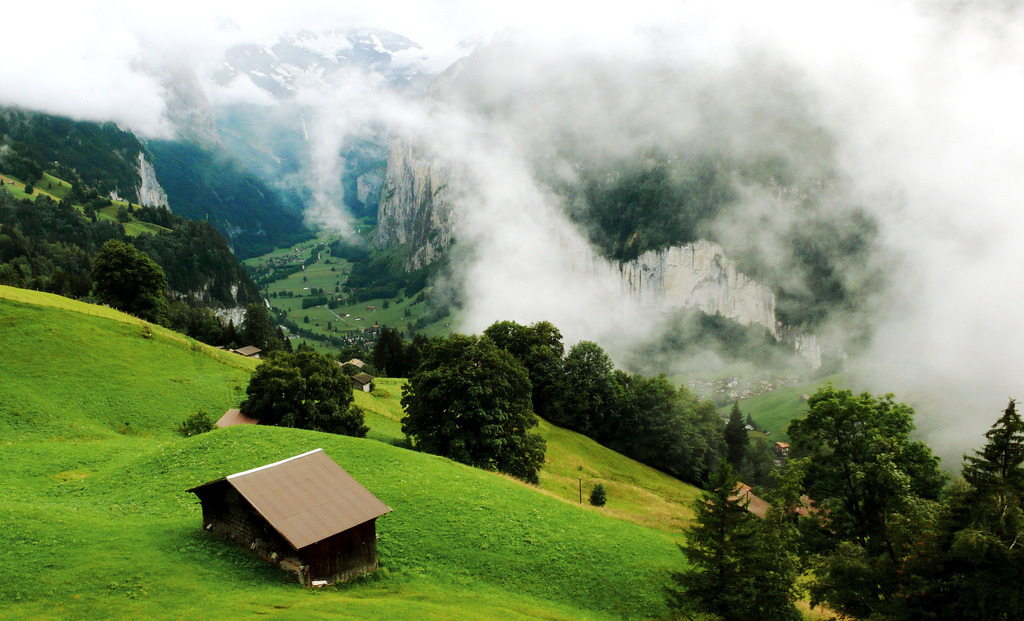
304	513
234	416
754	504
249	351
363	381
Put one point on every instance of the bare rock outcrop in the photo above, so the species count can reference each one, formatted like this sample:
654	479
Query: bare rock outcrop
415	206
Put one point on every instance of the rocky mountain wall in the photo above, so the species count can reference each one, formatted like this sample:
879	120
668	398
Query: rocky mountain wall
698	276
415	206
151	194
416	210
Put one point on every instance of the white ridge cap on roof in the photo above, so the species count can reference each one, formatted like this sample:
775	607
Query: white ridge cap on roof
276	463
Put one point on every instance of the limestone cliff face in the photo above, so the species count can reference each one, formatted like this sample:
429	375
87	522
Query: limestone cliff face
151	194
698	276
416	210
415	206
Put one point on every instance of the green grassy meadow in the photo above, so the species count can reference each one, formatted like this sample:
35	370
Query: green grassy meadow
330	273
97	521
774	411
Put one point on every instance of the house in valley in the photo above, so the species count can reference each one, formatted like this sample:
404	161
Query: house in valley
304	513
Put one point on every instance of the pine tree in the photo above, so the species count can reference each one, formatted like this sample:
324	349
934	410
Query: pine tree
736	439
984	566
719	546
999	463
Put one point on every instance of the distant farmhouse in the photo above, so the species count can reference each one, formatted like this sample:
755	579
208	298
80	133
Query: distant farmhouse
363	381
234	416
303	513
754	504
248	351
781	450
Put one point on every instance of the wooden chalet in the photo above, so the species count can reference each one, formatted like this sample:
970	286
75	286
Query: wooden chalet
363	382
304	513
234	416
781	450
248	351
754	504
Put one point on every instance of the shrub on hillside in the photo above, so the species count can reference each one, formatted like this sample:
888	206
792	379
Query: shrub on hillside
598	496
197	423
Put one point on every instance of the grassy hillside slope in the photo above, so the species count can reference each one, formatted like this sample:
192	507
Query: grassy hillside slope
58	189
97	522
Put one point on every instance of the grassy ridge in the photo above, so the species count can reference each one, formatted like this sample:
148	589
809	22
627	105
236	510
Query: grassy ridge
58	190
636	493
97	522
74	375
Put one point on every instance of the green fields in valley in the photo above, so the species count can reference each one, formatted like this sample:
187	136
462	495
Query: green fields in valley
97	521
315	269
773	411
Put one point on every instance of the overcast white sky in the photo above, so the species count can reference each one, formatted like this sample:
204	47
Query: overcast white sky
86	58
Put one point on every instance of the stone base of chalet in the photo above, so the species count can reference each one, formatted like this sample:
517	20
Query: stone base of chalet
302	573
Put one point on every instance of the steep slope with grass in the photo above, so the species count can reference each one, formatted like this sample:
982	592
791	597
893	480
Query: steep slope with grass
97	521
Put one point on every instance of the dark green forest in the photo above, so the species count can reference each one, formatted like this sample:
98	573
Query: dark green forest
201	183
103	156
51	246
204	184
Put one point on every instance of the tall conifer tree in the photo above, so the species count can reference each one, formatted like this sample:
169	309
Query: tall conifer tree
736	439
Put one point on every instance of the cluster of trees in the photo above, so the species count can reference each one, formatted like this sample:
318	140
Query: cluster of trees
393	357
48	243
99	157
886	537
50	246
645	418
128	279
465	391
637	207
306	390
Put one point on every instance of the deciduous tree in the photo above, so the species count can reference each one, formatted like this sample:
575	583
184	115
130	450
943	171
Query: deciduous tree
305	390
876	488
470	401
127	279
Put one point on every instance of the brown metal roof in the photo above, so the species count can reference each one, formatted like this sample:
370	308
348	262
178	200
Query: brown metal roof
234	416
248	350
755	505
307	498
